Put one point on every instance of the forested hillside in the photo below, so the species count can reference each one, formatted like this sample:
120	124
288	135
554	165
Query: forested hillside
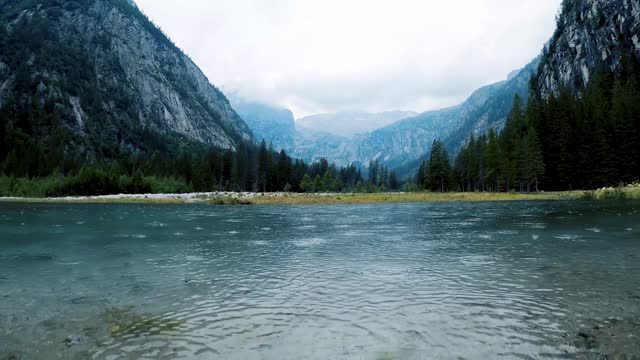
561	142
88	82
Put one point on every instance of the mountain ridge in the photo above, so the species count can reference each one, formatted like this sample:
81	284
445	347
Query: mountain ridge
108	71
405	142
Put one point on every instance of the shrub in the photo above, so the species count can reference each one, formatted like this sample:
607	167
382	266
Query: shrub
225	200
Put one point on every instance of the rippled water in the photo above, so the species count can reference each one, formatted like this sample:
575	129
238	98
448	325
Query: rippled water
459	280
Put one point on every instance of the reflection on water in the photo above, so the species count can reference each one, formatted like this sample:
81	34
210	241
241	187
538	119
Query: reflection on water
476	281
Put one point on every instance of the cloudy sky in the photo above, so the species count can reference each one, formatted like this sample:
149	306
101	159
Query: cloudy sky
315	56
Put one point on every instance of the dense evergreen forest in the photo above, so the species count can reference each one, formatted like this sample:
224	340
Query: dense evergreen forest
196	169
564	142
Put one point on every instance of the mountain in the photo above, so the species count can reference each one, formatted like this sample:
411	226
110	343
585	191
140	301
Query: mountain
485	109
404	144
275	125
313	145
99	77
589	33
309	141
349	123
493	112
580	128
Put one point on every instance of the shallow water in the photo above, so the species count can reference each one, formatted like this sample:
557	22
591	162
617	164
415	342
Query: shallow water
453	280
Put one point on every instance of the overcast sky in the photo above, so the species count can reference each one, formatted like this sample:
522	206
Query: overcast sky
315	56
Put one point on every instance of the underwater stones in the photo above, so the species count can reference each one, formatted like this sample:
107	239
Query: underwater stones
586	339
83	300
12	356
35	257
74	340
611	339
123	322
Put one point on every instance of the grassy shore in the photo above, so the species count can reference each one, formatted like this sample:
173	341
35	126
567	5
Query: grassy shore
414	197
631	192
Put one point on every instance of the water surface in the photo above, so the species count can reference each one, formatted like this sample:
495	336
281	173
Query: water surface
449	281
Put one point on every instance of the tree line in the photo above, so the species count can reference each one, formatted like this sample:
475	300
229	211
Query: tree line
563	142
253	168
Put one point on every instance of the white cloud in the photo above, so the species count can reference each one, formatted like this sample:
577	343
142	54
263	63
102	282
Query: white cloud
314	56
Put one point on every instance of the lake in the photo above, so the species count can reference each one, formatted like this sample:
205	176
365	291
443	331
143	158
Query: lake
419	281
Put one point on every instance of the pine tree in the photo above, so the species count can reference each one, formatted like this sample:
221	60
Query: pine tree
439	168
394	184
420	176
284	170
240	168
263	166
318	186
328	181
492	161
535	158
625	109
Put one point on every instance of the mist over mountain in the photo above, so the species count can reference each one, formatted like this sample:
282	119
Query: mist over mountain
403	142
349	123
270	123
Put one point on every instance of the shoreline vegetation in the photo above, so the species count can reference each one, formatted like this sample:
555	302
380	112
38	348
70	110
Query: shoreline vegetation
629	192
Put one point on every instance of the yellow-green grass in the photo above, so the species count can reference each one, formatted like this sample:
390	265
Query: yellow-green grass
631	192
414	197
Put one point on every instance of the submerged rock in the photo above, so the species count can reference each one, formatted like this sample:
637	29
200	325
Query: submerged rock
611	339
123	322
36	257
74	340
84	300
12	356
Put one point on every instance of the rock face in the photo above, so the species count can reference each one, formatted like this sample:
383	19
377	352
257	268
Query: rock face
312	145
589	33
132	74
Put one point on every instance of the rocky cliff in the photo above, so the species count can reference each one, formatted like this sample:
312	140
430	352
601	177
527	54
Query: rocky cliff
589	33
106	70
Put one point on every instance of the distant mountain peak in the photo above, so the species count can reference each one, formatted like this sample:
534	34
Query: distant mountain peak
351	122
